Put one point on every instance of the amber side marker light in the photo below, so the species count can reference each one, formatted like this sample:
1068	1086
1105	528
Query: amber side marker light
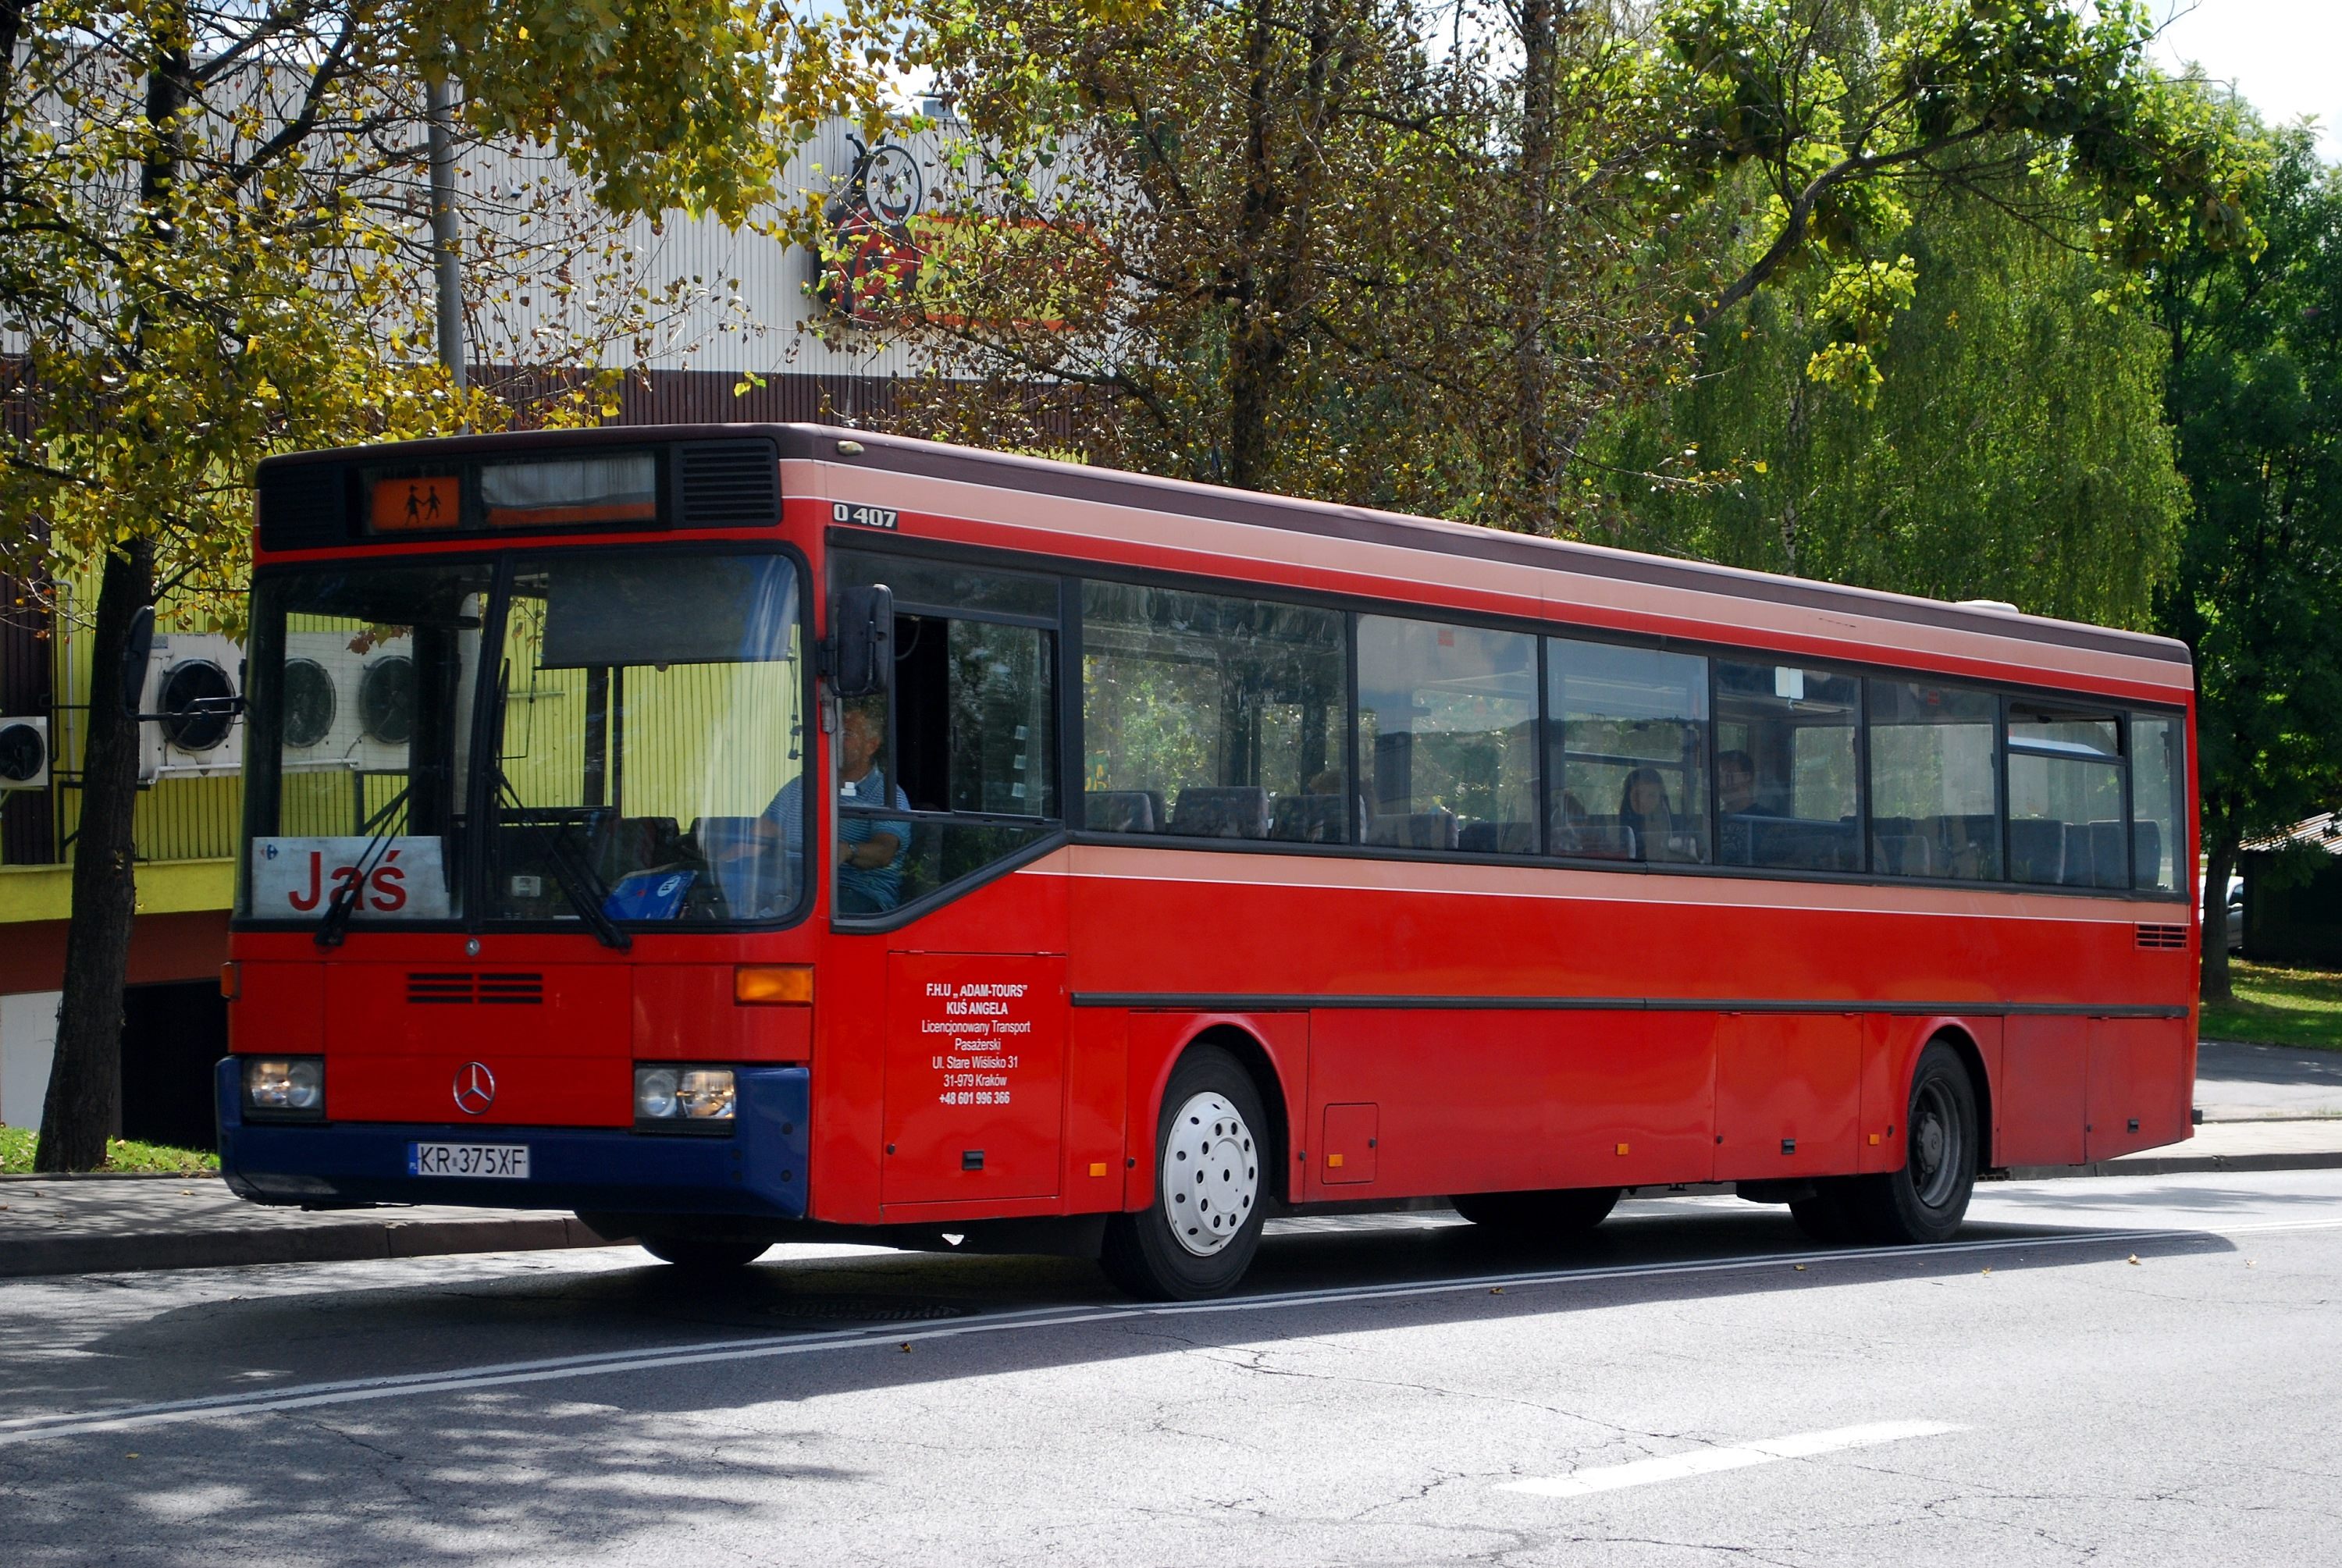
773	984
231	980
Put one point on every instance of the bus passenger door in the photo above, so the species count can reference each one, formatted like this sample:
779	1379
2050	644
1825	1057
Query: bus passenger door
976	1052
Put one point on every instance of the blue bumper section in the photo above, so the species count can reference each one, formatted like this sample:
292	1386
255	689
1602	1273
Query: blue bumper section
759	1171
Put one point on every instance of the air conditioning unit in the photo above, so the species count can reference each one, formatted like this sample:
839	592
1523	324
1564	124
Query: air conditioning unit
347	708
24	753
193	680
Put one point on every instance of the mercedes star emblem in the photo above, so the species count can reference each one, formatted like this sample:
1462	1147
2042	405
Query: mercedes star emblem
476	1088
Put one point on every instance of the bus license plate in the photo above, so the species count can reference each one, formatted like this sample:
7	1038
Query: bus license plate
500	1161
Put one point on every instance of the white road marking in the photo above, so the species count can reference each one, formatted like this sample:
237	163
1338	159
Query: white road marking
34	1428
1708	1461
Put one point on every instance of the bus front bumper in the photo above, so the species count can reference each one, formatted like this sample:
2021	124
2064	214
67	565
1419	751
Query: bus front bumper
758	1170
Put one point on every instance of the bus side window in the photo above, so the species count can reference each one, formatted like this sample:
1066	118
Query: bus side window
1934	781
1207	716
1448	736
1795	726
1629	732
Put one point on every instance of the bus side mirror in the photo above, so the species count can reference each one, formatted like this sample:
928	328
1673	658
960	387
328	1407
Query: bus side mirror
135	653
862	641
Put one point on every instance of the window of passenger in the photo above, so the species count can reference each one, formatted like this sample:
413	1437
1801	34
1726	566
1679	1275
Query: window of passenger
1785	741
953	768
1448	736
1934	779
1629	733
2064	797
1213	717
2158	780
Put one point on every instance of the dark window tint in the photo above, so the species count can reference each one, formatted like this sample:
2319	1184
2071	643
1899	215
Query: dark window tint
2159	798
1211	716
1934	781
1791	729
947	587
1448	736
2066	797
1629	731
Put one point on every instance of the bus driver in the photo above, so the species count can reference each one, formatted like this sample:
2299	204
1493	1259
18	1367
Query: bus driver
869	847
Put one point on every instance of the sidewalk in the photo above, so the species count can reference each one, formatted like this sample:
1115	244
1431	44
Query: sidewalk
100	1224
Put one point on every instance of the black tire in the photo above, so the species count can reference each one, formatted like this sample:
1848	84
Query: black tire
1539	1216
1211	1144
703	1255
1927	1199
1826	1216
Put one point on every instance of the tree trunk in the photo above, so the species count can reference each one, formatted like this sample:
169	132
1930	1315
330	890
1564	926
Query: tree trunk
86	1077
2219	861
1540	473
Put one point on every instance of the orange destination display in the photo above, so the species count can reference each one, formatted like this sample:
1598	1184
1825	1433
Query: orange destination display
417	504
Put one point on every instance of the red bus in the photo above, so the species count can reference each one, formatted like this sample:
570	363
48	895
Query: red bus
740	833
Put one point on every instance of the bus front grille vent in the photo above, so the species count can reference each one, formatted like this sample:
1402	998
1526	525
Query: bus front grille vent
462	988
728	484
2163	936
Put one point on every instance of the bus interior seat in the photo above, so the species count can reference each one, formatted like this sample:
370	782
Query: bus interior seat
749	882
1904	854
2036	850
1121	811
1497	837
1221	811
1308	819
1596	838
2106	867
1803	843
1433	829
1735	840
621	846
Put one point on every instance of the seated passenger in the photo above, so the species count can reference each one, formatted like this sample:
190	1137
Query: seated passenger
1643	807
869	849
1735	784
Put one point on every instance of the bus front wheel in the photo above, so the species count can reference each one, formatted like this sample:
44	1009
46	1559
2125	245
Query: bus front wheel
1198	1236
1927	1199
704	1256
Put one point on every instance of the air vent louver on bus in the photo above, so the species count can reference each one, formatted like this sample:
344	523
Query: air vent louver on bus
2163	936
727	484
447	988
304	506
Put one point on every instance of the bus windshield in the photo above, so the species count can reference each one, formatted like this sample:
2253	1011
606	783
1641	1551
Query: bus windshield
587	737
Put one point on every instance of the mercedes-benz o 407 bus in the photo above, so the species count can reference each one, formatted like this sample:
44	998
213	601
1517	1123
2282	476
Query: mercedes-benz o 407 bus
749	833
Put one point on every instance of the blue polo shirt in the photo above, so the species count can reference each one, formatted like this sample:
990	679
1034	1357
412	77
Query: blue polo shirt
861	889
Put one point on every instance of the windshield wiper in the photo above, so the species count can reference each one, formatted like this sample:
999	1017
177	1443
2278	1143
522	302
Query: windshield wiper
343	903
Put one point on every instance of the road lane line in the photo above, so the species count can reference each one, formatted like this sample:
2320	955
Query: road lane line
1708	1461
307	1397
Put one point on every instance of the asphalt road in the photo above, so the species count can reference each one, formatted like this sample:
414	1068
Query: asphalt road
2126	1371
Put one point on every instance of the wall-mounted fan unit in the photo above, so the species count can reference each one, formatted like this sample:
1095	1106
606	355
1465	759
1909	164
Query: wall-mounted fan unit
344	707
192	683
24	753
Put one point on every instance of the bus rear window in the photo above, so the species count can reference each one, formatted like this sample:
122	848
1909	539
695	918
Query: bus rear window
620	488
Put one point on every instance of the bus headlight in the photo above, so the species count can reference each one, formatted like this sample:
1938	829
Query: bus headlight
675	1097
286	1088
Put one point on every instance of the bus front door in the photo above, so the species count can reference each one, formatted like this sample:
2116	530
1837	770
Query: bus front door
975	1054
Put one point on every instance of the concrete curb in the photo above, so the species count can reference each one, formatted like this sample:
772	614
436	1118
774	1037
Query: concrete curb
2183	1165
339	1240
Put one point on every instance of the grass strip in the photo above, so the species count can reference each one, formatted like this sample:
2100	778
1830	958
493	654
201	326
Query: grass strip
124	1157
2273	1006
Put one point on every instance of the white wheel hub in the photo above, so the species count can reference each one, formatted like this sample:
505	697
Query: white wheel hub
1211	1174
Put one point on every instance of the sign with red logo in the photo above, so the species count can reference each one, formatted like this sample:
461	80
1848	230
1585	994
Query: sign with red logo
402	879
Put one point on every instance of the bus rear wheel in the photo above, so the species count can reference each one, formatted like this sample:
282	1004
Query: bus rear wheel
704	1256
1927	1199
1539	1216
1198	1236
